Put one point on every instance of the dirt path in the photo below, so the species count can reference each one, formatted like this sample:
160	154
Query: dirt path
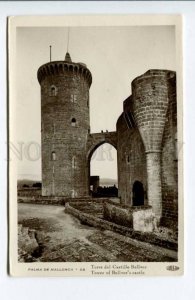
62	237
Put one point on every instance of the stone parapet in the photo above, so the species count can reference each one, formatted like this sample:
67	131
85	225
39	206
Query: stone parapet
139	218
129	232
63	67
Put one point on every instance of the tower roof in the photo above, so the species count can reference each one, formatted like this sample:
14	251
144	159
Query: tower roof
68	58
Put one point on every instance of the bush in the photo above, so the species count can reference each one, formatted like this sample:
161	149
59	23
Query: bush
37	184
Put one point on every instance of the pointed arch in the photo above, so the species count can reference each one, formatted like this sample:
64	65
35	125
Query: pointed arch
103	165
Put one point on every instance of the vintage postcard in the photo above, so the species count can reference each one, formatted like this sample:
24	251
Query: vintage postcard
95	145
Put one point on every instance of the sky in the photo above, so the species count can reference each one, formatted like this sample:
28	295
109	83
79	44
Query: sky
114	55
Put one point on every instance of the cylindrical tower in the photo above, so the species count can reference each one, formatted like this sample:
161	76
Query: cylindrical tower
151	99
64	127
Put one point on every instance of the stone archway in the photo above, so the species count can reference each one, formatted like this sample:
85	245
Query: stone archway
95	141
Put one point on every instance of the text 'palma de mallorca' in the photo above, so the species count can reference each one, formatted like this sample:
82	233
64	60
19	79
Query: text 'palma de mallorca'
145	138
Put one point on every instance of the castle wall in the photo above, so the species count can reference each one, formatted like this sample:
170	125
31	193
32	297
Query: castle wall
131	161
147	144
169	161
65	127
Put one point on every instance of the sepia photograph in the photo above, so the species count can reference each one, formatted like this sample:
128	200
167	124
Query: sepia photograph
96	147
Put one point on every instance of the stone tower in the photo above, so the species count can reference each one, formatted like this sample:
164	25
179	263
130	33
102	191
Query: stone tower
152	94
64	127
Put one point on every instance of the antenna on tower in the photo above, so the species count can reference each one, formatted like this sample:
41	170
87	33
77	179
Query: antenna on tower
67	56
50	52
68	38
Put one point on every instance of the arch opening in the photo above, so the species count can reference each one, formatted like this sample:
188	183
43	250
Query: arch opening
138	194
53	155
73	122
103	181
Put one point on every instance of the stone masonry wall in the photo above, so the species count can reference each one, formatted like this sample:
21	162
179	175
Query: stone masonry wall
138	218
147	237
169	161
131	161
147	145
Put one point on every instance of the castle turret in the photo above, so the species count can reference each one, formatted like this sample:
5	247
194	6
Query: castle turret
151	100
64	127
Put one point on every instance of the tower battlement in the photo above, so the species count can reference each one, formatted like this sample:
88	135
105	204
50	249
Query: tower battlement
55	68
154	73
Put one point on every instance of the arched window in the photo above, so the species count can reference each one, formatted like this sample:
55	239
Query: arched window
74	162
53	90
73	122
53	155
